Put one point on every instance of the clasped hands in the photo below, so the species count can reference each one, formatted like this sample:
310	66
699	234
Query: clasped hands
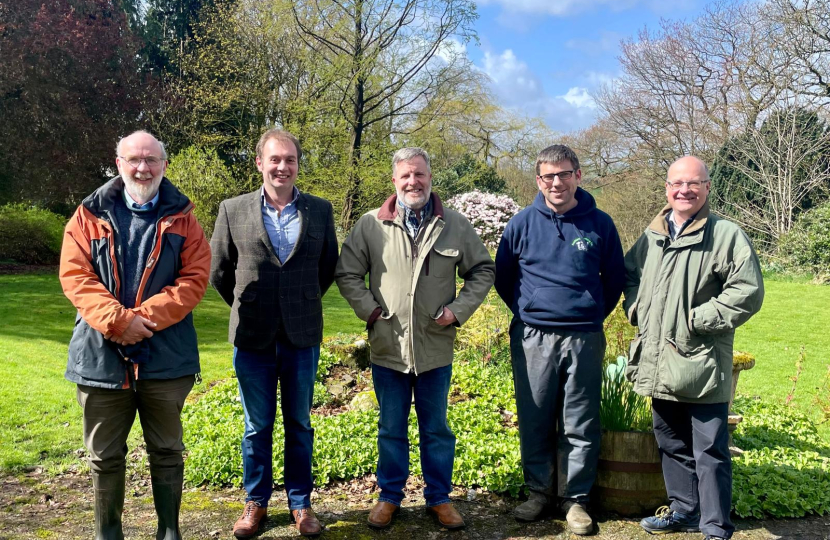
138	329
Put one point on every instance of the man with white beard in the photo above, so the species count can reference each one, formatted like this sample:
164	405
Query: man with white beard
134	263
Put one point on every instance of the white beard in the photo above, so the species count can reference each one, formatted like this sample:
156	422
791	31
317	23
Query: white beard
137	190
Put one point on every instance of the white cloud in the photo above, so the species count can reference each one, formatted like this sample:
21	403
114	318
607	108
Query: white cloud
513	81
518	88
579	97
450	49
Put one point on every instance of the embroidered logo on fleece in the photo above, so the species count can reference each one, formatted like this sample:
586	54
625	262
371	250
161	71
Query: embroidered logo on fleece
582	244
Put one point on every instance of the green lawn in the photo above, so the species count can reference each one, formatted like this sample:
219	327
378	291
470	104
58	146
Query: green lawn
40	422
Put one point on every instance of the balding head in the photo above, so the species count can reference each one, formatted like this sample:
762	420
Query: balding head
141	162
689	163
687	186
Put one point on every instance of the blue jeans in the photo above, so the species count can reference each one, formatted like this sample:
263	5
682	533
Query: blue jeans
394	391
258	372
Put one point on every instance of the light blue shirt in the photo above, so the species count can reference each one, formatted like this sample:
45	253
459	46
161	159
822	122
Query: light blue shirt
283	228
132	205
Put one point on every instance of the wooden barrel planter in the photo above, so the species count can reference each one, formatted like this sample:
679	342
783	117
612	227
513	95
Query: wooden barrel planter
629	477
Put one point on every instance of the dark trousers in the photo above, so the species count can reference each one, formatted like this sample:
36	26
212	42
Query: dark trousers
557	377
258	373
694	449
109	416
395	391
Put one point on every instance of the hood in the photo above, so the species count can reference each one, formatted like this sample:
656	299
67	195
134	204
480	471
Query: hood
585	204
171	200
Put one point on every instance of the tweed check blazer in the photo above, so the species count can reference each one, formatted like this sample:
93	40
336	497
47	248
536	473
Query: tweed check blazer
262	291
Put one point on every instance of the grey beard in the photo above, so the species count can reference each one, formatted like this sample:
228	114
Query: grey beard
141	191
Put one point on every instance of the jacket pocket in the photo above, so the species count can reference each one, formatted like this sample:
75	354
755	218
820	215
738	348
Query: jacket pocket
443	261
689	369
635	350
382	337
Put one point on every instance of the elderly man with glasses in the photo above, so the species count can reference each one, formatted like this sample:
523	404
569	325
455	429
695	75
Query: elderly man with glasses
691	279
134	263
559	269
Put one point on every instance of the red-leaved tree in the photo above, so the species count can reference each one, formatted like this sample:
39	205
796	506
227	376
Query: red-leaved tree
69	88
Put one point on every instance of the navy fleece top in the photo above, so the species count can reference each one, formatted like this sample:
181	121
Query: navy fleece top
561	271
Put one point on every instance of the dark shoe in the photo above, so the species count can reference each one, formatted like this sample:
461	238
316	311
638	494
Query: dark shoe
533	508
252	519
579	522
306	522
167	498
666	520
109	505
382	513
447	516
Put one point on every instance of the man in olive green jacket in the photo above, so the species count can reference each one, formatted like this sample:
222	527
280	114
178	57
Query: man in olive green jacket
691	279
412	247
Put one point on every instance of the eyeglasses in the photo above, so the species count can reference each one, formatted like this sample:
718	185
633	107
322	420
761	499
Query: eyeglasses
694	185
564	176
151	161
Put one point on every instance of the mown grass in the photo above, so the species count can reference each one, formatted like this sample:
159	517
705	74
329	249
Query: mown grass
40	421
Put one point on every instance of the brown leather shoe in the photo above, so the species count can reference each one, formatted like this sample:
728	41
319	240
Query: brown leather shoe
252	519
306	522
447	516
381	515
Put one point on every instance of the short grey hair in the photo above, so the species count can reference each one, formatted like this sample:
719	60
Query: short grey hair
143	132
557	154
408	153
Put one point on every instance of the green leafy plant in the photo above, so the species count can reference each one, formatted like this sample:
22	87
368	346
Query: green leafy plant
30	235
620	407
784	471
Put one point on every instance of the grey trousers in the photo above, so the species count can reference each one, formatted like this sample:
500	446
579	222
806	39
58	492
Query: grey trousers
109	416
558	377
694	450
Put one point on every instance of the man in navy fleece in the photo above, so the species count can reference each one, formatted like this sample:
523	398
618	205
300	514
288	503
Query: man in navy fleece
560	268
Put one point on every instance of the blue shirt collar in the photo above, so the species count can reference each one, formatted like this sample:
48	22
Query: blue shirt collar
296	193
132	205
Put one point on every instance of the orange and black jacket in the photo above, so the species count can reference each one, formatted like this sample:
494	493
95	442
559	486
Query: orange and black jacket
173	283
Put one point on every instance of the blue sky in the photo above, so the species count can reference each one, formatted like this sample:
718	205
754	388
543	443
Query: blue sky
545	57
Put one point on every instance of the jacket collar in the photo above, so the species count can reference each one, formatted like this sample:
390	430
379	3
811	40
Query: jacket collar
661	226
171	200
388	211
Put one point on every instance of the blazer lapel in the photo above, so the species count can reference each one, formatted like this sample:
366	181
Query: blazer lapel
302	211
256	215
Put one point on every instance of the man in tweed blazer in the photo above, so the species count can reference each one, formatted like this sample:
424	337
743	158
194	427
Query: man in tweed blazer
274	254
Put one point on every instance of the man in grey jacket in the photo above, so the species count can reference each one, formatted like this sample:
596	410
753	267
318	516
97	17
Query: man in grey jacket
691	280
412	247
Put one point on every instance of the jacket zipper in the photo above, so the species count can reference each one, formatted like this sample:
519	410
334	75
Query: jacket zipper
151	261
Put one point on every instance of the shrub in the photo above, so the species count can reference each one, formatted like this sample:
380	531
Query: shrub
488	213
30	235
486	330
807	246
201	175
785	468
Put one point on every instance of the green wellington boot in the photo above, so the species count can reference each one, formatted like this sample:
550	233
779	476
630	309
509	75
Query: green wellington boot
167	497
109	505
